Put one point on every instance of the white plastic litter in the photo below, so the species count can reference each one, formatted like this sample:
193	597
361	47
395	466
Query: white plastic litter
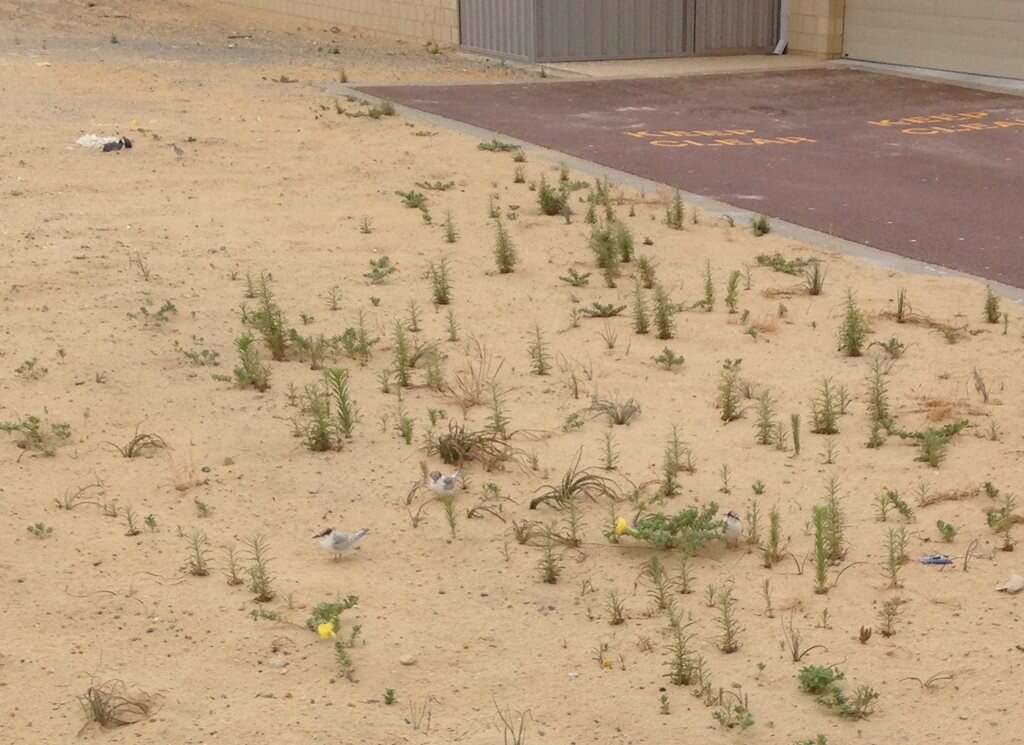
1013	585
96	142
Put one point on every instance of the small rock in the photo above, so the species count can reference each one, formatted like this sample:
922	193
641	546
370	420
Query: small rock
277	663
407	660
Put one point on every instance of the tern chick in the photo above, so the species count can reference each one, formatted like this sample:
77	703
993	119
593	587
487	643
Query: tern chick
337	542
733	528
441	484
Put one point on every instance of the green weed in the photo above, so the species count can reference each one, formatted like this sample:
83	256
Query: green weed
505	255
854	330
250	372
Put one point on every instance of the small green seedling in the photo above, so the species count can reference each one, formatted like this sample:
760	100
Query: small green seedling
497	146
669	359
413	199
992	312
380	269
505	255
663	314
540	356
760	225
575	279
40	530
603	310
30	369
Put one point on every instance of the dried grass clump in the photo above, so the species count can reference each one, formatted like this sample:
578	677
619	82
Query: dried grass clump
949	495
789	291
139	443
110	704
471	384
938	409
460	444
766	325
951	333
184	475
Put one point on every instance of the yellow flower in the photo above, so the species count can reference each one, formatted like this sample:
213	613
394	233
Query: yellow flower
326	630
621	526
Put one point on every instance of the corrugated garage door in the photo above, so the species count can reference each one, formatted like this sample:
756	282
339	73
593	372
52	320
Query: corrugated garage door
977	36
577	30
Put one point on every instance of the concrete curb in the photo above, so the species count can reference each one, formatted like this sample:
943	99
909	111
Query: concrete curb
739	215
1008	86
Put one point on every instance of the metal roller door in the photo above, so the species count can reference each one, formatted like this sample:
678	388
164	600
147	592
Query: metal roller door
577	30
984	37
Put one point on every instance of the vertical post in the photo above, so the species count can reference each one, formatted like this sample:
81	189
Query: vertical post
538	53
780	48
692	15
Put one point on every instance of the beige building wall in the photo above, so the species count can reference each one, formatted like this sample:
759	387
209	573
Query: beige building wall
816	27
415	20
981	36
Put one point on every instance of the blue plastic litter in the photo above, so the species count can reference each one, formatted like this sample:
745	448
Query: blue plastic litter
939	559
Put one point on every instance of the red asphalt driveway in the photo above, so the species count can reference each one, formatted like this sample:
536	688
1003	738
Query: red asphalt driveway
926	170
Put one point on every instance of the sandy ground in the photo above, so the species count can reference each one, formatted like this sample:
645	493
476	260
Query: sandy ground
233	174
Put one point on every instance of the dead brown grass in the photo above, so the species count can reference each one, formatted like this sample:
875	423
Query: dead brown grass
938	409
470	385
783	292
950	495
110	704
950	332
765	325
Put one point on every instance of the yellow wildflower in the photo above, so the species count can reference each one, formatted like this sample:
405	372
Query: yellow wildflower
326	631
621	526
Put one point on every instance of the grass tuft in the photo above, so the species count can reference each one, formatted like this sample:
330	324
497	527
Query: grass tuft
109	704
760	225
617	412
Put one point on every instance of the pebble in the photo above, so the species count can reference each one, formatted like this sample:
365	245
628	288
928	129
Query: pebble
277	663
407	660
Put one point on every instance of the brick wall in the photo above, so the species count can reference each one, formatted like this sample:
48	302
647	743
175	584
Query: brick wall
415	20
816	27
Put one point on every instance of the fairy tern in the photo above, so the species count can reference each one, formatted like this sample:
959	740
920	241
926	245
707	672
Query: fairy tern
733	528
441	484
338	542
